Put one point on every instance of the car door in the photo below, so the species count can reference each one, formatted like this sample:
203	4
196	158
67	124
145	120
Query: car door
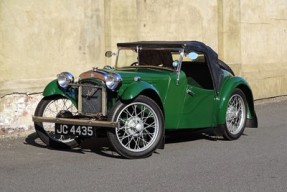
199	102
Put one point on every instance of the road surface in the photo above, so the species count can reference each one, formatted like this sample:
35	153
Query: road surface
191	161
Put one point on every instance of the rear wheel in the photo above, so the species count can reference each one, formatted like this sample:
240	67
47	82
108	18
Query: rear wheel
236	113
140	129
53	107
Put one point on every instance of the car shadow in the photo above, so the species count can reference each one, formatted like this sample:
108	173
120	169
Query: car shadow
101	146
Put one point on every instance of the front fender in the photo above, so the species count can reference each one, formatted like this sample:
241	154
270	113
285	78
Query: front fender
53	89
225	94
136	88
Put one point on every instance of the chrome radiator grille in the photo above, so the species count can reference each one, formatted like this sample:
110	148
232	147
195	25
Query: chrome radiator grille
92	99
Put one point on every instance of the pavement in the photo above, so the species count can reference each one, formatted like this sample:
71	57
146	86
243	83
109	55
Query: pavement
191	161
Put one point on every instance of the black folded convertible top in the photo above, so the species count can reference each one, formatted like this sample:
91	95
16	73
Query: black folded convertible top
188	46
164	44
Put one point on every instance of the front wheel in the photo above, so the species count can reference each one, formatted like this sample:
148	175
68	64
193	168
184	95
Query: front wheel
236	114
140	127
53	107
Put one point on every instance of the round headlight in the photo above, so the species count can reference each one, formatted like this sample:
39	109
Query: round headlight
113	80
64	79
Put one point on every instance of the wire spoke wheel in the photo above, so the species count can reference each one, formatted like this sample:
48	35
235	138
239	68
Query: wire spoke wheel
51	107
52	110
235	115
140	128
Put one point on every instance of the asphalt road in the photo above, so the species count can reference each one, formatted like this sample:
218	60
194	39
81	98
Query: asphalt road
190	162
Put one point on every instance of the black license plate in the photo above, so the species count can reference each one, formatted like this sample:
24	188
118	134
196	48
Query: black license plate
75	130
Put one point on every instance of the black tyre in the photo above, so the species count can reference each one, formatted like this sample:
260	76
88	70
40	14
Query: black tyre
236	114
140	130
51	107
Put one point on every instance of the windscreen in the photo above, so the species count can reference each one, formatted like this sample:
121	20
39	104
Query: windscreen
147	58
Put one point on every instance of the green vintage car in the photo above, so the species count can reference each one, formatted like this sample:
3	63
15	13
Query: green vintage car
154	87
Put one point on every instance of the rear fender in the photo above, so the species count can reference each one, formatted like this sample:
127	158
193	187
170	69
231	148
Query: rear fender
52	89
226	91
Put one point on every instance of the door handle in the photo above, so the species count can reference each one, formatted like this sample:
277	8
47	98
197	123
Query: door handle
190	92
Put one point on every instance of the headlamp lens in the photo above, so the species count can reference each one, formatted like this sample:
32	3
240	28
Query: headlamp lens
113	81
64	79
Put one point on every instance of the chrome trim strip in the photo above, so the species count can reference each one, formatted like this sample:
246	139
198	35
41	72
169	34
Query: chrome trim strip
179	66
104	101
80	100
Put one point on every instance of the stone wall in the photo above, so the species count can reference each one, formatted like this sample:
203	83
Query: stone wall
39	39
263	46
16	113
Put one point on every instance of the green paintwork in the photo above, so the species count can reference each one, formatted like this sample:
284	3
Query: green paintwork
229	84
135	89
162	82
53	89
153	79
198	109
181	109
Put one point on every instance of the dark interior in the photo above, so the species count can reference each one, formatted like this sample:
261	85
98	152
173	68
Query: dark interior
155	58
197	74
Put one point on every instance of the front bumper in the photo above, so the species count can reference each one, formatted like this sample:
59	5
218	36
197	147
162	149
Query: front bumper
94	123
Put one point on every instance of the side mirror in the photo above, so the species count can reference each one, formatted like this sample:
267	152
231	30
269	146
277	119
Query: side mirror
192	55
109	54
175	63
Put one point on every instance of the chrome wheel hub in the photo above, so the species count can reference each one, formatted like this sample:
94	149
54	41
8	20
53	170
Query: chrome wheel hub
232	112
138	127
134	126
